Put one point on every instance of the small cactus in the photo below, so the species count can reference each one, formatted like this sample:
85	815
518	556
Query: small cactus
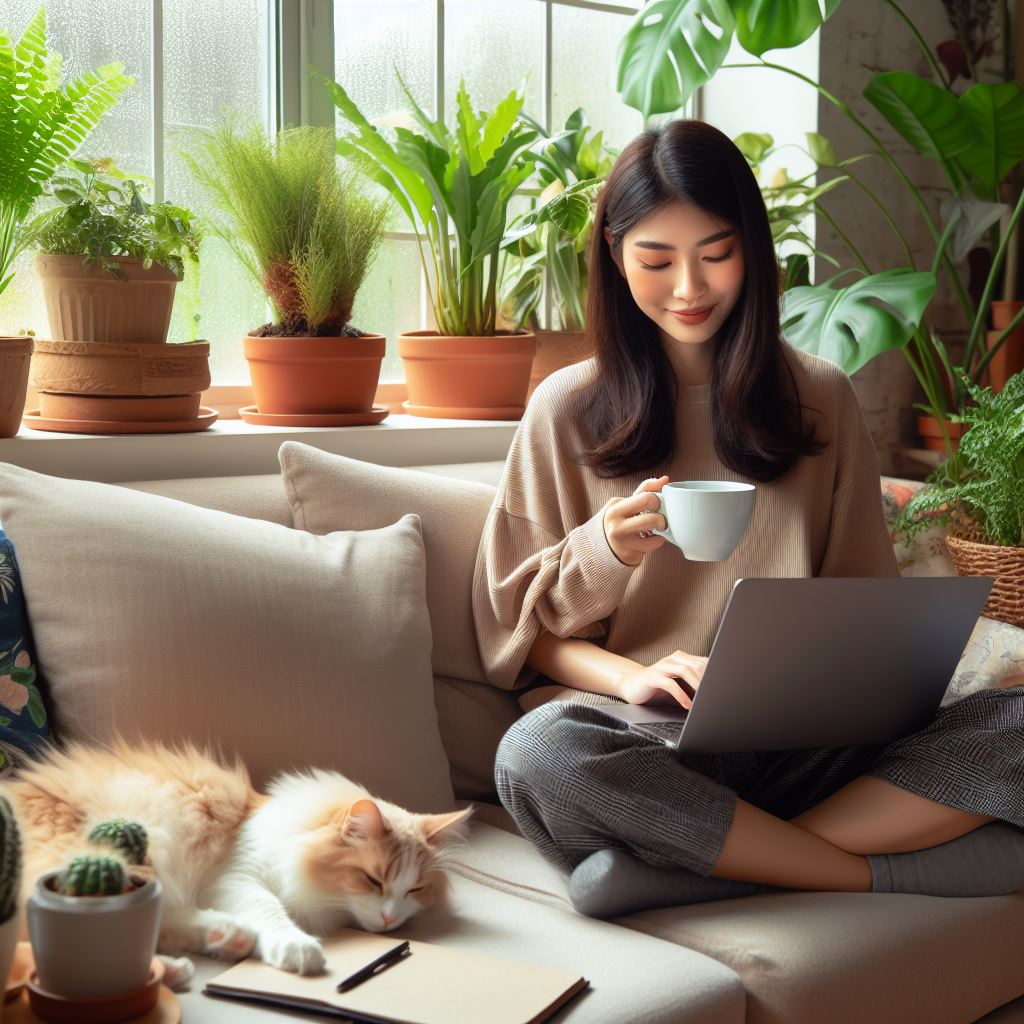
127	837
92	876
10	862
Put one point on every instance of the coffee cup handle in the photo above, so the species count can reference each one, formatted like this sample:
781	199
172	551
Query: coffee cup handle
666	533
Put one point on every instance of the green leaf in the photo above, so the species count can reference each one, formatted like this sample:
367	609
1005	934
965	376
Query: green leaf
754	145
823	153
997	114
4	720
35	707
671	48
927	116
850	326
25	676
763	25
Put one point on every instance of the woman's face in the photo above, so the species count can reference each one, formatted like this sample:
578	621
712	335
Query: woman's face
684	268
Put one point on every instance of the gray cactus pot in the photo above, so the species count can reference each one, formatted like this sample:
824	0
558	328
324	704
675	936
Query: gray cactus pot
93	945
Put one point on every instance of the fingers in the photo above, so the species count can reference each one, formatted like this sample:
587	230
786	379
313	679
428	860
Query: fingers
653	484
676	688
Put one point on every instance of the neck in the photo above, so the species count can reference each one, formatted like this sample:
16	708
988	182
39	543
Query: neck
691	362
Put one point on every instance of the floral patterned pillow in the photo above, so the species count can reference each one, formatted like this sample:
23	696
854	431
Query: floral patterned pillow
926	554
24	724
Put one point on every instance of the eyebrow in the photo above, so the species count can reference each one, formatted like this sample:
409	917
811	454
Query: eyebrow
704	241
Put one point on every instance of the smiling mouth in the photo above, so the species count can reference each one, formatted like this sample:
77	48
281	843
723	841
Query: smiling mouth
692	314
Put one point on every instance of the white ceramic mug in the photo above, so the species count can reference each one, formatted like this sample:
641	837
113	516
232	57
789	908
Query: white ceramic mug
706	518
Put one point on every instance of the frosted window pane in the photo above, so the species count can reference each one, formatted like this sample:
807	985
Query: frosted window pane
87	34
213	61
493	46
372	38
389	300
590	83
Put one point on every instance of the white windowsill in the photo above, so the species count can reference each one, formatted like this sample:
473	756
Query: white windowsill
232	447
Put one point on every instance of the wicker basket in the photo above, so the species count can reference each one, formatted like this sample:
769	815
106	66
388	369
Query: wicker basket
973	557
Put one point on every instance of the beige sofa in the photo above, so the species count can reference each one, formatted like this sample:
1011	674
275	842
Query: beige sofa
791	958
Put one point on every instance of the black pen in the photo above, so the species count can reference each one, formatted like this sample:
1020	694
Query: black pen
382	961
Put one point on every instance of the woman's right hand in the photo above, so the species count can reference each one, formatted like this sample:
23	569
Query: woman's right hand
673	679
626	518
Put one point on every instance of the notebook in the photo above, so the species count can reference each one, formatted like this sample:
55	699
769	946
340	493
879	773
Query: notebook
433	985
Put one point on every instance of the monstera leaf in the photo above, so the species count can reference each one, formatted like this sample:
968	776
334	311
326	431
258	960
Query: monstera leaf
852	325
777	24
672	47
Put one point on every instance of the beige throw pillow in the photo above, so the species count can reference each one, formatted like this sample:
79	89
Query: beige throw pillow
155	618
331	492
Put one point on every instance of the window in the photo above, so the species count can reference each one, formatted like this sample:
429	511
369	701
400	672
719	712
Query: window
191	58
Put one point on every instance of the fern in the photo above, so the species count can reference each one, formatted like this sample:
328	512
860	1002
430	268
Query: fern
42	124
983	484
305	228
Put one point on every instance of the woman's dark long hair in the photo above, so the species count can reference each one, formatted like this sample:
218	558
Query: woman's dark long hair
630	406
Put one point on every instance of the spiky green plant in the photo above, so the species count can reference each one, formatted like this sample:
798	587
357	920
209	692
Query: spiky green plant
127	837
92	876
10	861
306	227
42	124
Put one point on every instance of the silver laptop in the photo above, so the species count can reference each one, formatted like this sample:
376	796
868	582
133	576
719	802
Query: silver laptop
822	662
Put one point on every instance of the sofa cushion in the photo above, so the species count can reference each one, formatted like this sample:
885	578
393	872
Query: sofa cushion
331	492
24	721
257	497
157	618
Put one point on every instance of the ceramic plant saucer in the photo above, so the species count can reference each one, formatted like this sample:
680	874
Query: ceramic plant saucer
166	1011
496	412
205	418
321	419
23	965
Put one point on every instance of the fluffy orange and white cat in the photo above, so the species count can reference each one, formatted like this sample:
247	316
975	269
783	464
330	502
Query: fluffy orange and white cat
241	872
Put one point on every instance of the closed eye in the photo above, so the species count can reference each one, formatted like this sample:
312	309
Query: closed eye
661	266
718	259
373	881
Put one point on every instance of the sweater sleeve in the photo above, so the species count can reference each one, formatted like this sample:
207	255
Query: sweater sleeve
544	561
858	540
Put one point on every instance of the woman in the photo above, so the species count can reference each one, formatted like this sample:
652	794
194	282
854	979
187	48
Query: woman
691	380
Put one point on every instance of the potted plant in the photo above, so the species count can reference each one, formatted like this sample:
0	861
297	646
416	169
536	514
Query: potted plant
44	120
974	137
455	189
551	242
108	259
979	494
94	927
308	229
10	887
110	262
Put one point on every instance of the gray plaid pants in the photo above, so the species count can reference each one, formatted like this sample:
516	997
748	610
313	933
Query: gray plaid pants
576	780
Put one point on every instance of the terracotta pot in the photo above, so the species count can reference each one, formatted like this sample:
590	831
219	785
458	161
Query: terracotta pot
305	376
126	368
15	358
90	304
931	433
467	378
119	408
1010	357
556	349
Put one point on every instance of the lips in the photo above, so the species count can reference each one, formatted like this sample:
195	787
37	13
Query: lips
693	316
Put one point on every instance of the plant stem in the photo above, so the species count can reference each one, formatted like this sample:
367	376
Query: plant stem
990	283
854	252
919	39
985	359
885	213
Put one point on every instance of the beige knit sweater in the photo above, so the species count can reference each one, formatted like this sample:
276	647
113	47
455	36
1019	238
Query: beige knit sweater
544	561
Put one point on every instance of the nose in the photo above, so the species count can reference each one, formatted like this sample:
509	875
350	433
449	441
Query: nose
388	920
689	285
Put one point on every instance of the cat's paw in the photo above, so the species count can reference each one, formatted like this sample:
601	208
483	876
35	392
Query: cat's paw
178	972
291	949
227	939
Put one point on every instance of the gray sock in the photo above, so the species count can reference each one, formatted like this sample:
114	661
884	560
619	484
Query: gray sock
986	862
610	883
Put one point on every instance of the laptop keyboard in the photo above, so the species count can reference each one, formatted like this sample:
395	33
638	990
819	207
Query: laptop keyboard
667	732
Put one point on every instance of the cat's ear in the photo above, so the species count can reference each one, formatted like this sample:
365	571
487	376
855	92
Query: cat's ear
362	820
439	829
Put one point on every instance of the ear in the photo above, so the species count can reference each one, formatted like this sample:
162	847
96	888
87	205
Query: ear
439	829
616	255
362	820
